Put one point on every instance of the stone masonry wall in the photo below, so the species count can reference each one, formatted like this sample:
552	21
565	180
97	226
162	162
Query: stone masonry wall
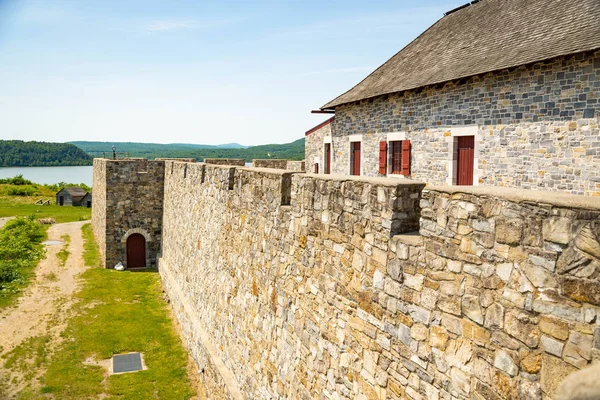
299	286
299	166
279	164
270	163
313	149
226	161
537	127
99	206
130	200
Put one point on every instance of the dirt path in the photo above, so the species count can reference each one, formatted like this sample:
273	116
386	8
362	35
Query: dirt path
4	221
43	309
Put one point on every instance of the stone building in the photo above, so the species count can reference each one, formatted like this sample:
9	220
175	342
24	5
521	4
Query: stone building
127	211
496	93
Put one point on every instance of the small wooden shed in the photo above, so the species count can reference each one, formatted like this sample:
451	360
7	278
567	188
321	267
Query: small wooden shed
70	196
86	201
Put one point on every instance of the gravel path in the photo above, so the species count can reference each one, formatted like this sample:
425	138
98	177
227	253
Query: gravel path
44	307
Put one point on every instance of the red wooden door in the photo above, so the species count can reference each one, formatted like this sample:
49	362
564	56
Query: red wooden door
466	160
355	158
327	158
136	251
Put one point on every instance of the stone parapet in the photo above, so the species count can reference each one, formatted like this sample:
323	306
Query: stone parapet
279	164
295	166
225	161
270	163
300	286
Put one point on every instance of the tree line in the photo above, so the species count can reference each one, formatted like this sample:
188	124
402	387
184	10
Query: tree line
17	153
290	151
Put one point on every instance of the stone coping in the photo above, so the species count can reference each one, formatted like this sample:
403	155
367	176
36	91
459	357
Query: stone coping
129	159
367	179
180	159
274	171
524	195
410	238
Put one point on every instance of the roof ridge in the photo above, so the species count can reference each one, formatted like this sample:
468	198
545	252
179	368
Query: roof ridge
486	36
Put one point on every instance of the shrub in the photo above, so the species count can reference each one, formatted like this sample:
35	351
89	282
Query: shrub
58	186
20	248
8	273
27	190
16	180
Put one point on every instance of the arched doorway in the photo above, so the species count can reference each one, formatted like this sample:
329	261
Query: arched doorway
136	251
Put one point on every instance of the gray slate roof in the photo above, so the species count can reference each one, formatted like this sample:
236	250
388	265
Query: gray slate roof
487	36
74	191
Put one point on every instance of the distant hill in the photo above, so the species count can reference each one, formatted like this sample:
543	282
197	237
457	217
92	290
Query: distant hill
17	153
291	151
139	148
231	146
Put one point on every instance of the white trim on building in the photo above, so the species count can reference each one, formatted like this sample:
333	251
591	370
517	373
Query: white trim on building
455	133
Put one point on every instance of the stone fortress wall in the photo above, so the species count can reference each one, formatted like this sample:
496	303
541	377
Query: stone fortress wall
535	127
279	164
302	286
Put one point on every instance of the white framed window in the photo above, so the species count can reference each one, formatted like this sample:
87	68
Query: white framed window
355	162
458	141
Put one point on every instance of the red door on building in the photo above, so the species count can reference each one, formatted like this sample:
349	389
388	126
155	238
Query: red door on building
136	251
465	160
327	158
355	158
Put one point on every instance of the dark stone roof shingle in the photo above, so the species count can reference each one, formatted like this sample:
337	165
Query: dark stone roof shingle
487	36
74	191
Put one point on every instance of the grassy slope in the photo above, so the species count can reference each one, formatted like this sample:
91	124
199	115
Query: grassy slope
118	312
12	206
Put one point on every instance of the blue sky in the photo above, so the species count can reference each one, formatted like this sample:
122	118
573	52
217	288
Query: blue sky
190	71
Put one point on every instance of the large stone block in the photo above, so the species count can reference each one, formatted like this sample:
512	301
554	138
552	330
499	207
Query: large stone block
554	371
509	231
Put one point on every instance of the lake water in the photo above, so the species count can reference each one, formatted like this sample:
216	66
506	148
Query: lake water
51	175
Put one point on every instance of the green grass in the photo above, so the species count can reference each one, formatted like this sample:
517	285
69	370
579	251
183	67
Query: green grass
63	254
60	214
20	251
118	312
22	206
34	350
51	277
91	255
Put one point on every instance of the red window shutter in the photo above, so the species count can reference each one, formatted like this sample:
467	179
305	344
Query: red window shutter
406	157
382	157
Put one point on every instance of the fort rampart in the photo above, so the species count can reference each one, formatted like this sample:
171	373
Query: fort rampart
298	286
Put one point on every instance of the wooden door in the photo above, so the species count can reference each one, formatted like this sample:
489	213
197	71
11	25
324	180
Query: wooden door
61	200
355	158
466	160
327	158
136	251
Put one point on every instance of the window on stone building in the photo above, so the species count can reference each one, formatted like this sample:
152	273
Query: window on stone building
396	157
354	158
